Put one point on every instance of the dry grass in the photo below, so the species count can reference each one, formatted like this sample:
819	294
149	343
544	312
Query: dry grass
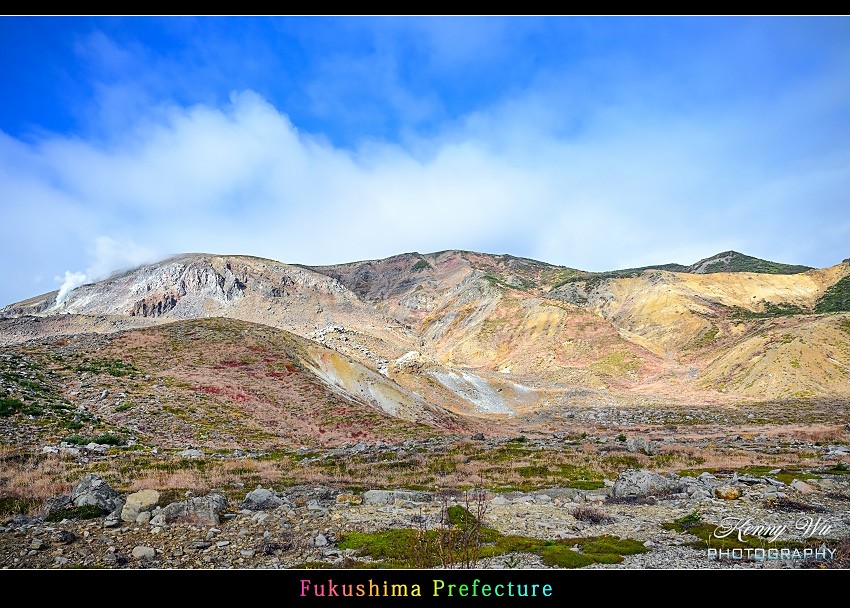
465	465
35	477
822	435
592	515
32	480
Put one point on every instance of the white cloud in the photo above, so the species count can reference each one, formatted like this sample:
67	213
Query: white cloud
244	179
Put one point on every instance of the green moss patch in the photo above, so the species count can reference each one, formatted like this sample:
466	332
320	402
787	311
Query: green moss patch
409	548
708	540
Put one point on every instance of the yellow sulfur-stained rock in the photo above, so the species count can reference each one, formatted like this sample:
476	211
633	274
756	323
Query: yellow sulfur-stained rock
349	498
727	492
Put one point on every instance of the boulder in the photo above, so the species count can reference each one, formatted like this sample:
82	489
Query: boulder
641	446
640	482
261	500
389	497
202	509
93	491
727	492
139	502
801	486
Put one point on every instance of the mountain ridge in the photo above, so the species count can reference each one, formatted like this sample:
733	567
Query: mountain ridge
498	335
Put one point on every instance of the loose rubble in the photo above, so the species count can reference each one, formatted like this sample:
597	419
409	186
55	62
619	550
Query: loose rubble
304	524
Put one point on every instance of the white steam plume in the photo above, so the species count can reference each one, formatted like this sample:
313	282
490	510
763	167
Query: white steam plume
72	280
108	256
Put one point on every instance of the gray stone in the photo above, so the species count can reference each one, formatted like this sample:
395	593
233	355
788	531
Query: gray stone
93	491
640	445
63	537
640	482
389	497
141	552
202	509
261	500
190	453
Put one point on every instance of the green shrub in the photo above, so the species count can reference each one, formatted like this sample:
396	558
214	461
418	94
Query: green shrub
9	406
104	439
15	505
836	298
83	512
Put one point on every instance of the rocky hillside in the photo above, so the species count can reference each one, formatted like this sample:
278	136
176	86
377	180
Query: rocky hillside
499	335
732	261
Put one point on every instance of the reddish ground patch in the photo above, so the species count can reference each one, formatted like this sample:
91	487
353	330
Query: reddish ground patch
233	363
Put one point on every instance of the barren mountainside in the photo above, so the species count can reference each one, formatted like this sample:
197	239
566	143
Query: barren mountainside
425	335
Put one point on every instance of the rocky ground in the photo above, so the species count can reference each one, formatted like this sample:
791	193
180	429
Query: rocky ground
303	525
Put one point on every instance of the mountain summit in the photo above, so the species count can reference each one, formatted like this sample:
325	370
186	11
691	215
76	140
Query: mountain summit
732	261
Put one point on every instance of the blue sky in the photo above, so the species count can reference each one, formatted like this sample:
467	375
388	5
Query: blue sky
596	143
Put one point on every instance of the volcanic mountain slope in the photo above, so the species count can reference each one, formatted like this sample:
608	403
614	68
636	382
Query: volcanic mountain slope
218	383
497	334
619	330
241	287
